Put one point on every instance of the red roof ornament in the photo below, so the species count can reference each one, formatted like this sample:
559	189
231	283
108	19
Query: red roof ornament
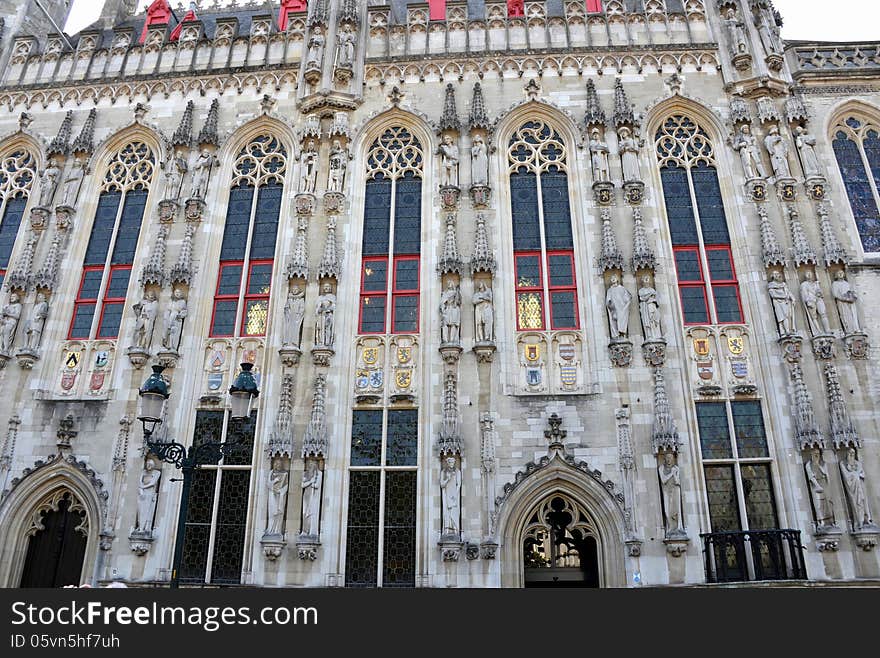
438	9
289	7
594	6
515	8
190	16
158	13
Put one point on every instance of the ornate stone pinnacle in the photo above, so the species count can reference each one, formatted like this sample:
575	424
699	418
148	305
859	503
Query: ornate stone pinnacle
802	250
450	261
120	450
208	134
449	118
770	249
298	266
348	12
843	432
834	252
19	277
479	118
555	434
739	111
643	256
595	115
319	13
664	435
610	257
8	451
61	144
795	110
450	433
315	440
84	143
182	272
623	110
482	260
281	440
329	265
625	453
183	135
65	432
154	269
47	276
807	433
487	441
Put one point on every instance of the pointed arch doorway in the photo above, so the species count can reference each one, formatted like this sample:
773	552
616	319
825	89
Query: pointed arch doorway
57	542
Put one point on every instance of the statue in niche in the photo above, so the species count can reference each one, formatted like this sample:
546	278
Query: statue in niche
747	146
175	169
449	158
338	166
202	174
325	308
174	317
345	49
294	315
847	305
778	150
148	494
316	49
629	156
670	484
49	183
450	488
806	146
311	498
484	314
854	480
278	485
450	314
768	31
72	183
146	311
817	477
599	158
736	33
649	310
308	168
9	318
479	162
814	305
617	301
783	304
36	323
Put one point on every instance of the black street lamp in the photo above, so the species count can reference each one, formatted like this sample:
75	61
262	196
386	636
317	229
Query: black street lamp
154	394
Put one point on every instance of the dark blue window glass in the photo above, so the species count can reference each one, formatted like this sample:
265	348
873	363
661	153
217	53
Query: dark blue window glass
9	228
238	217
524	210
377	214
858	189
266	221
676	192
366	437
712	220
102	228
557	216
714	432
373	314
872	152
408	216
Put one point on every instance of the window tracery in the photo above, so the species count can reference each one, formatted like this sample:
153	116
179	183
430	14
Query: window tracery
17	174
856	143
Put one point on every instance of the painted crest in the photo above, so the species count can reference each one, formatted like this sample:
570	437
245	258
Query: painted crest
533	353
71	361
217	359
705	370
250	356
371	355
215	381
740	368
403	378
533	376
68	379
404	355
102	358
96	383
362	379
736	344
376	378
701	346
567	351
568	376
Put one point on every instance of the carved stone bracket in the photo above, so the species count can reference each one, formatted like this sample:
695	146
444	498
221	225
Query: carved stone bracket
451	549
481	195
450	196
676	546
290	355
307	546
621	350
634	192
856	346
603	192
140	541
334	203
828	539
273	546
654	353
867	537
321	355
138	357
823	347
485	352
27	358
195	210
168	210
305	204
168	358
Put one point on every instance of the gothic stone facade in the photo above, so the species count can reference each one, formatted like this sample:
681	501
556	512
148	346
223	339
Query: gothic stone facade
534	291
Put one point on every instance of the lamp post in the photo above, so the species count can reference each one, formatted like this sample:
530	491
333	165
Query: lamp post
154	393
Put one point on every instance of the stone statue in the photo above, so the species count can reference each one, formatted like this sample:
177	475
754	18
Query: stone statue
479	162
449	157
9	323
747	147
175	169
338	166
629	156
817	477
854	480
778	150
311	498
325	308
814	305
294	314
783	304
768	31
72	183
617	301
670	483
148	493
49	184
278	485
146	310
450	315
316	49
174	317
806	146
308	168
450	488
649	310
345	49
484	315
599	158
36	323
847	305
202	174
736	33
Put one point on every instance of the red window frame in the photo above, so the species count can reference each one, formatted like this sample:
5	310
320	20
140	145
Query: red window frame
227	297
539	288
701	283
84	301
569	288
111	301
383	293
253	297
405	292
725	283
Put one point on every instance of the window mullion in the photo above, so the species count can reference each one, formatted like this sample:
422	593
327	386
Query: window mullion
245	267
380	539
389	275
704	260
869	173
105	273
545	275
212	535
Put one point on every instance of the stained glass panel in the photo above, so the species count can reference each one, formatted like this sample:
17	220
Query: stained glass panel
366	437
102	228
399	546
129	227
758	490
721	492
694	306
9	228
727	307
265	230
238	218
232	507
372	315
111	317
563	310
377	217
408	216
362	540
714	431
198	526
524	211
375	275
403	433
406	314
679	209
557	217
256	316
748	426
858	189
529	310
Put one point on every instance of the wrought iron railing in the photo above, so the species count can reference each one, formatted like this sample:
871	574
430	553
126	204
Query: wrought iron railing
753	555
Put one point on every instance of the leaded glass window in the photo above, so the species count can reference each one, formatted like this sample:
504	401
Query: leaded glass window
708	286
856	144
113	241
17	172
543	242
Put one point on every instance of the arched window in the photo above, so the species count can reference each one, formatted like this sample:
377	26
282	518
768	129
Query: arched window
17	172
100	299
857	147
248	249
697	223
543	244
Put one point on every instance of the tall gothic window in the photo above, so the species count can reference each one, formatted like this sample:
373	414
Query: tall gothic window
216	520
543	243
17	171
707	280
100	299
857	147
241	299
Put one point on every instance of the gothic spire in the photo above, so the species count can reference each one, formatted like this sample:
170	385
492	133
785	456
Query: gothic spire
281	439
595	115
482	260
47	275
450	261
610	258
807	431
154	270
61	144
19	277
803	251
208	134
183	135
643	255
843	433
623	110
664	436
315	441
298	267
770	249
449	118
479	118
348	12
329	265
834	252
182	271
450	434
85	141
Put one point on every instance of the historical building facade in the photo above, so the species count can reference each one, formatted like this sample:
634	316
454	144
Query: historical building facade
562	292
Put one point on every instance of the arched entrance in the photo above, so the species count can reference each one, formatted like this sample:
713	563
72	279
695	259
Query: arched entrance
560	545
57	543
